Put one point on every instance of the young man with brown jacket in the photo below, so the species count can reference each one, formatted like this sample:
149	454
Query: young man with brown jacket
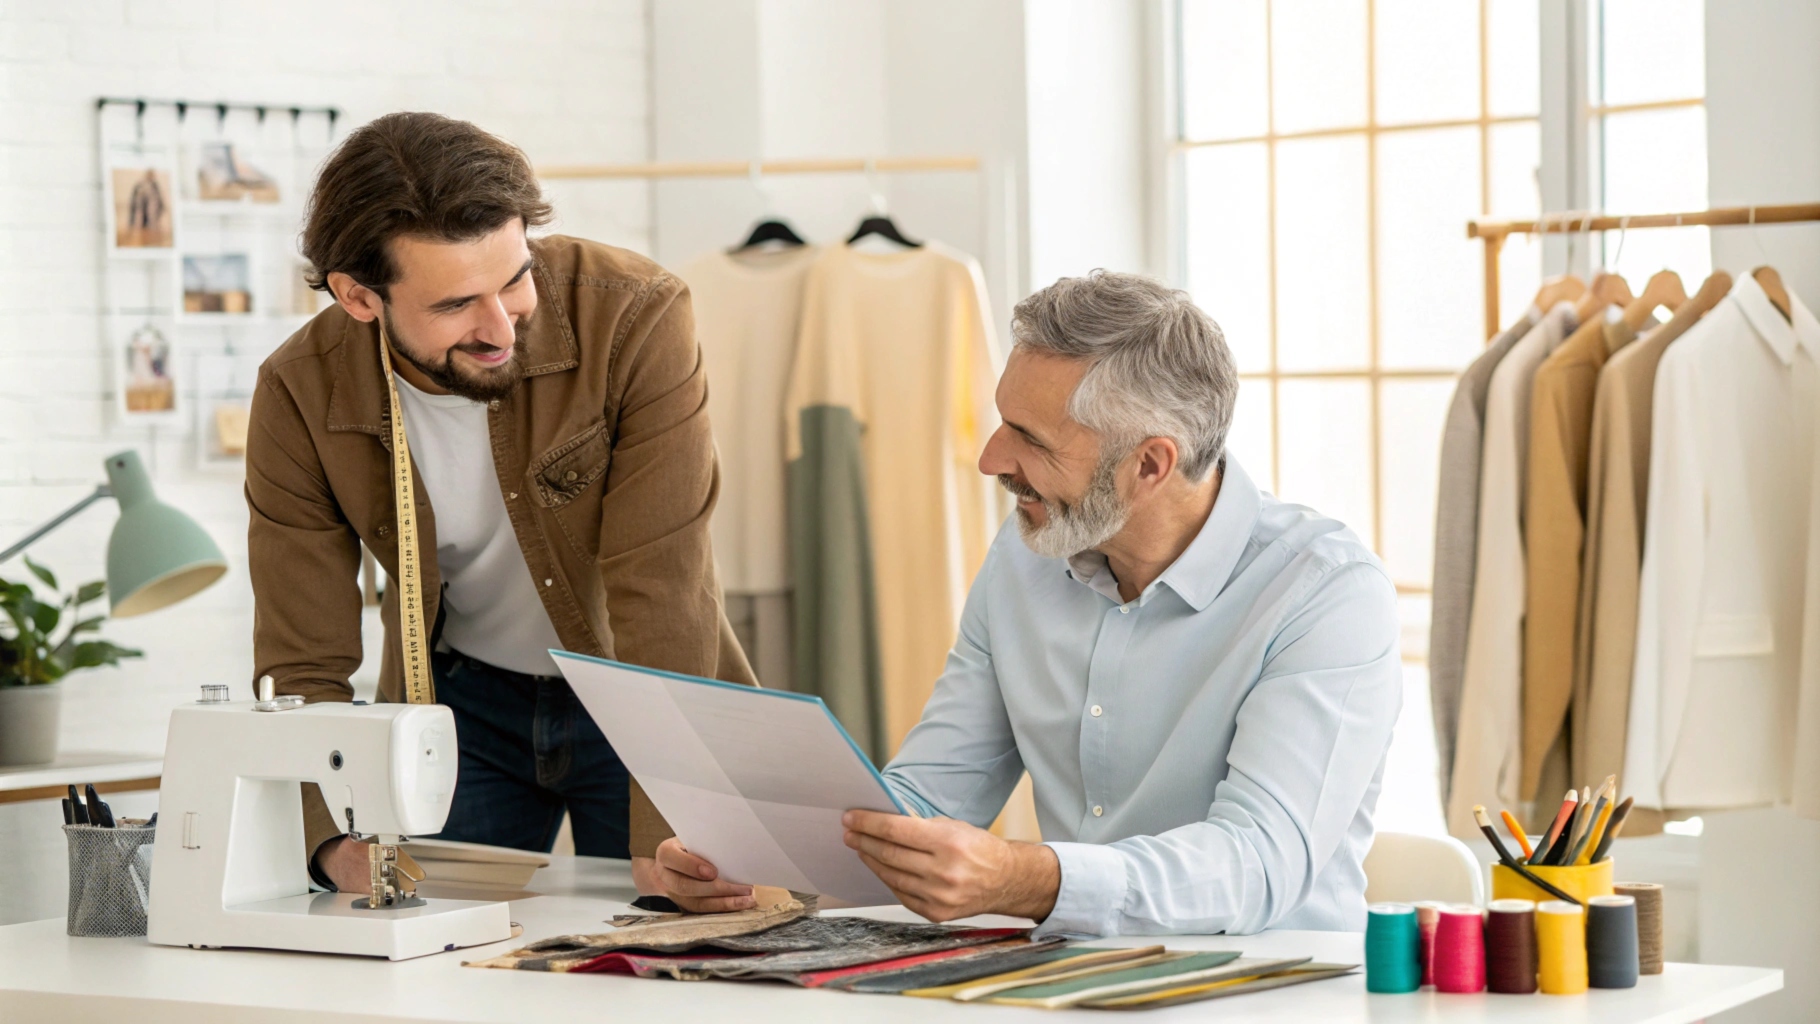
555	410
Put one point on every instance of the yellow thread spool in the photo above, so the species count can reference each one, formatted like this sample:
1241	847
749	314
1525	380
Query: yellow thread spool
1561	947
1582	882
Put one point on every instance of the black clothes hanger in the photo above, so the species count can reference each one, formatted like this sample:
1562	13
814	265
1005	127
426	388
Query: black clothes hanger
771	230
882	226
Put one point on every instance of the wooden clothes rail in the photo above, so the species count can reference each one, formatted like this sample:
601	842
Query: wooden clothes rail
761	168
1493	233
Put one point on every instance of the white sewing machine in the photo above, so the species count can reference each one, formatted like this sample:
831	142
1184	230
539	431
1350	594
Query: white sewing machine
229	866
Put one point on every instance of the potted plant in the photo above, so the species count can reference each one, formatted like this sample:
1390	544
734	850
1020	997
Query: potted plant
33	658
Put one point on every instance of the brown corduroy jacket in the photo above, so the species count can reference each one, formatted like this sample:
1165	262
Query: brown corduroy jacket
603	456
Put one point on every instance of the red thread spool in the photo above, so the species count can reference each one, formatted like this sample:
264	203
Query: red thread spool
1510	946
1428	915
1459	950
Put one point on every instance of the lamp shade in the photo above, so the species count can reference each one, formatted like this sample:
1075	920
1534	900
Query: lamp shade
157	555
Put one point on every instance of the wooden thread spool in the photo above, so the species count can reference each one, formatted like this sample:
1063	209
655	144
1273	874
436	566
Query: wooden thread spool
1649	923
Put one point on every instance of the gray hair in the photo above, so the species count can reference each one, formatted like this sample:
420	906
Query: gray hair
1159	365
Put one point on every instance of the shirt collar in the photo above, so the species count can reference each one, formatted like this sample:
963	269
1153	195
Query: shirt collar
1200	572
1781	335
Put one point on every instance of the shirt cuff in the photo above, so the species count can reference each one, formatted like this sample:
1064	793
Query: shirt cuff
1091	897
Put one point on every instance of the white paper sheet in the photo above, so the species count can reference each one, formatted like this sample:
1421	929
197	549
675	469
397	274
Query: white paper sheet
753	780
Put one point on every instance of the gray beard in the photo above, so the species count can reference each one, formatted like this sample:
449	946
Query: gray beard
1070	529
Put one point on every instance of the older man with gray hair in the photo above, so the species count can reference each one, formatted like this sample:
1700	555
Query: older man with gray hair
1200	679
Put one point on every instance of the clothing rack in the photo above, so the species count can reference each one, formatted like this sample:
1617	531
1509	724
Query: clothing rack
762	168
1493	233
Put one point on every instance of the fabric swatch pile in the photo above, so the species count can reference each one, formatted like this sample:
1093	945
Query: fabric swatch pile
783	940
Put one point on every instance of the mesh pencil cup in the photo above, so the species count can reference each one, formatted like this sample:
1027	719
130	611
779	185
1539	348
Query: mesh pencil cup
110	879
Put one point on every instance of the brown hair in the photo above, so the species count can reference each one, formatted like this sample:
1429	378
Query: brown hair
412	174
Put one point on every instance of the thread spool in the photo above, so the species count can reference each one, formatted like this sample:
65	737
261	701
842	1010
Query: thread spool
1611	942
1393	948
1561	947
1649	923
1510	947
1459	949
1428	915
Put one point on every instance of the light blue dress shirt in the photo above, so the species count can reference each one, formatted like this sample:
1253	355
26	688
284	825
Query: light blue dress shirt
1205	758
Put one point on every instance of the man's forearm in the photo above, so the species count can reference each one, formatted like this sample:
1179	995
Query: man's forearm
1035	880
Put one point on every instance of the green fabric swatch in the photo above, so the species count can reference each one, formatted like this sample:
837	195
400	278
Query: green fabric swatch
1160	973
836	642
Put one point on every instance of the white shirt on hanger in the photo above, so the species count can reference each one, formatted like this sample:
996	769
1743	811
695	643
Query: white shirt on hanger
1488	748
1720	616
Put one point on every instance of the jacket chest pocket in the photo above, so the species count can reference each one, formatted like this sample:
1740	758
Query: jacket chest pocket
566	471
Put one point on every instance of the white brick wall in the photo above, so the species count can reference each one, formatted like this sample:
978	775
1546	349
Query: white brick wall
564	79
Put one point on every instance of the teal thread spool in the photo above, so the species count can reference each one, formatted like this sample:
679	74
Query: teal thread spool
1393	949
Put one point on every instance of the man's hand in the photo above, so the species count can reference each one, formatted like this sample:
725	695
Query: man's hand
689	881
345	862
945	869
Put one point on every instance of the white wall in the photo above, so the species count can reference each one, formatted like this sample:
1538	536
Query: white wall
564	80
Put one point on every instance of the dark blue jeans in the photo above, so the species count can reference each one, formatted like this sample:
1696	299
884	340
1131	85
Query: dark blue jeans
528	751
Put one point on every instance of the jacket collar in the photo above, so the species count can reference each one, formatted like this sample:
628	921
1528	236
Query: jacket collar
1202	570
358	398
1782	336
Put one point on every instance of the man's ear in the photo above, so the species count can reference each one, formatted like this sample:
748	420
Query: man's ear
1157	461
361	302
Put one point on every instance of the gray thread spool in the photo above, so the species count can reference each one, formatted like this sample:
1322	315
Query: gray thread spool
1611	942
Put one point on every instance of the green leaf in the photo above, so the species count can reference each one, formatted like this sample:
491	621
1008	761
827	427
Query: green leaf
41	572
45	616
88	625
90	591
99	652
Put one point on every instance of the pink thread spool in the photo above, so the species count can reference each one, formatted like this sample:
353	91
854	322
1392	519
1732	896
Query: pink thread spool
1428	915
1459	949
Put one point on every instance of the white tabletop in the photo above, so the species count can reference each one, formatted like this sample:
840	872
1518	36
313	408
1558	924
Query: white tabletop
45	975
79	767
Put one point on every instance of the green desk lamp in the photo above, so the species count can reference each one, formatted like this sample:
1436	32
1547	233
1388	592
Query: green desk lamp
157	555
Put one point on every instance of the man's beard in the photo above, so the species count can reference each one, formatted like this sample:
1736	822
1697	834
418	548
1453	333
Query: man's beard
1070	529
481	385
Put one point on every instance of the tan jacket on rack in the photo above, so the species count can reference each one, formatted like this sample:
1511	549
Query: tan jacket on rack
604	461
1554	527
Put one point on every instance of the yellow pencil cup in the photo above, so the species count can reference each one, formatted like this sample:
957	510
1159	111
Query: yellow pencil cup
1581	881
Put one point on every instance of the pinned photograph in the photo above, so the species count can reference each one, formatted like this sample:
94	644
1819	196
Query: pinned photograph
223	175
141	203
217	284
149	388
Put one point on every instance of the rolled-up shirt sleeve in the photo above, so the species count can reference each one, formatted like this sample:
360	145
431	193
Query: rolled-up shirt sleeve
1308	750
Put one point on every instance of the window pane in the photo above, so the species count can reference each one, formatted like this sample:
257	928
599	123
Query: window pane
1318	63
1427	60
1249	439
1653	50
1430	281
1413	413
1511	31
1322	301
1223	67
1519	277
1516	156
1324	427
1228	245
1655	161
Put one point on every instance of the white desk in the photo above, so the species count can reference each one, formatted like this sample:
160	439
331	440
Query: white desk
46	976
109	772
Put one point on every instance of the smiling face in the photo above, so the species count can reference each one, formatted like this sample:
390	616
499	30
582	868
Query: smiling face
1065	481
459	311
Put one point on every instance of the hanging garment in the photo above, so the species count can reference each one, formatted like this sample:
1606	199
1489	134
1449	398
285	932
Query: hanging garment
761	622
1617	493
890	404
1486	751
1805	785
1457	539
748	309
1719	625
1554	527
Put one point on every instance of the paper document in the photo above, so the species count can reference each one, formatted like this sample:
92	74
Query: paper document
753	780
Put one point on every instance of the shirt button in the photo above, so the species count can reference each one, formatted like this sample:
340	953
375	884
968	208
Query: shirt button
548	582
570	477
1096	711
1124	609
1098	810
512	497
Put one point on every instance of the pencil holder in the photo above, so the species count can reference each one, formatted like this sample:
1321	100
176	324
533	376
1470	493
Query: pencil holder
110	879
1582	882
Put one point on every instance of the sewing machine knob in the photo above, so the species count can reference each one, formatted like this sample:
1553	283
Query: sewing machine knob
335	759
213	693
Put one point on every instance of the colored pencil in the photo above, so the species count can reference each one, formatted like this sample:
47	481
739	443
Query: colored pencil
1557	854
1611	831
1601	800
1516	832
1549	838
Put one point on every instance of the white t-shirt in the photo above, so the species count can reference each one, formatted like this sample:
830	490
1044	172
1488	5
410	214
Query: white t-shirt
491	610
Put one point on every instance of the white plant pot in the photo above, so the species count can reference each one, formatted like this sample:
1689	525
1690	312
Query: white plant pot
29	717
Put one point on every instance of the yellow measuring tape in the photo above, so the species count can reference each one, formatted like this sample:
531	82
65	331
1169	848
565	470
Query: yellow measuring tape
419	688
